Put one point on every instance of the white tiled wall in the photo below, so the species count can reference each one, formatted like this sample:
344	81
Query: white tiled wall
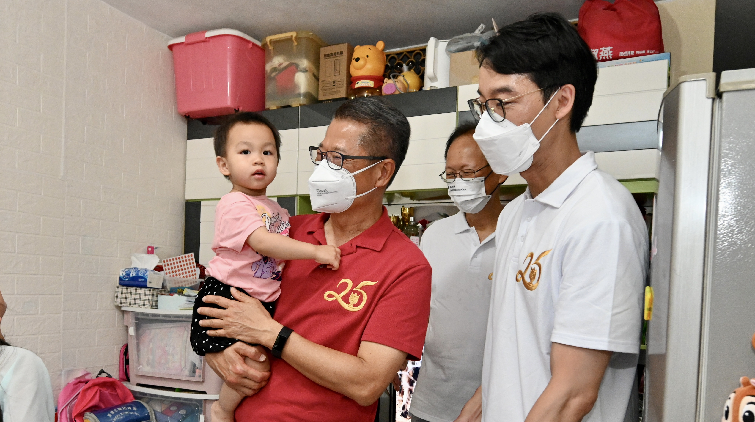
92	158
310	136
206	231
424	160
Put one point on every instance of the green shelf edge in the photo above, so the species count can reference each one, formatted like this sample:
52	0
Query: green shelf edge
303	205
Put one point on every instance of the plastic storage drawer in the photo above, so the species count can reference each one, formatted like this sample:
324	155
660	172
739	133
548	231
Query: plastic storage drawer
218	72
172	406
292	69
160	352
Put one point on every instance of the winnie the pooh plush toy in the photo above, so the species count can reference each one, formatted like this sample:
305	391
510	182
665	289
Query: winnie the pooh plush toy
740	406
366	69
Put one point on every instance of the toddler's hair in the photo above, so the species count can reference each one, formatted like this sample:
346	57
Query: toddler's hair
245	117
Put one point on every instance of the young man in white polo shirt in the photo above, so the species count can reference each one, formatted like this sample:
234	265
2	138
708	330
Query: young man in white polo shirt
565	314
461	253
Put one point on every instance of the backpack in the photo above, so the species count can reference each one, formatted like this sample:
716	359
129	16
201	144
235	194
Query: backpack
84	394
68	396
123	367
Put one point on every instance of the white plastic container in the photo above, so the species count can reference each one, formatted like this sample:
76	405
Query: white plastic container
174	406
160	353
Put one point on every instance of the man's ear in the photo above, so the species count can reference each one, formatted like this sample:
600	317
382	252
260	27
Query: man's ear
387	169
222	165
564	101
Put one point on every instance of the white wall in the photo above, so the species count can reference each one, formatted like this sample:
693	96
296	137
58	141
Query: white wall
92	157
688	30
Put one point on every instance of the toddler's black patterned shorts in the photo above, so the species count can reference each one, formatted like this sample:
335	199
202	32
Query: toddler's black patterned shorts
200	341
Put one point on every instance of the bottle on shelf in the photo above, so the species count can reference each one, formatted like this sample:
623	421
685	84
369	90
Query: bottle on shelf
396	220
409	227
412	231
404	218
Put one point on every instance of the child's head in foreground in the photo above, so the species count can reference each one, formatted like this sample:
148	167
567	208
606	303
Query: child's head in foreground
247	149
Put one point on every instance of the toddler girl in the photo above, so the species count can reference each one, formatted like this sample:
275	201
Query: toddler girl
249	249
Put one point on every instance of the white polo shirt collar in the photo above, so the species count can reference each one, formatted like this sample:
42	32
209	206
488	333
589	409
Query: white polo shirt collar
460	223
555	194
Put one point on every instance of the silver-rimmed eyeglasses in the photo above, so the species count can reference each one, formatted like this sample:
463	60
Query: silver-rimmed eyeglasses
494	106
465	175
336	159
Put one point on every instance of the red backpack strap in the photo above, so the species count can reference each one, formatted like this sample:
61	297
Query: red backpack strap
123	369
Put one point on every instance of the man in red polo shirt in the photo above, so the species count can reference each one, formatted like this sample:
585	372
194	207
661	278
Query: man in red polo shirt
340	335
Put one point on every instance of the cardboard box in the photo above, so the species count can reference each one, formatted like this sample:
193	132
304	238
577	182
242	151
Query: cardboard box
334	71
465	69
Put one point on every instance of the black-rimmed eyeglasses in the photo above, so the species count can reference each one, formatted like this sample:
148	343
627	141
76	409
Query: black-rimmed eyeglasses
465	175
494	106
336	159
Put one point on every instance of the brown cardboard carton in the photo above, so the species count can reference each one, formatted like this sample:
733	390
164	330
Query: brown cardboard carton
334	71
465	69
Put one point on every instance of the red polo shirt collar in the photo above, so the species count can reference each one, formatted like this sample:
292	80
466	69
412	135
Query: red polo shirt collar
373	238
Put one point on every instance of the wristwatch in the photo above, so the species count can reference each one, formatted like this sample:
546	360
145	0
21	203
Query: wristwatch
280	341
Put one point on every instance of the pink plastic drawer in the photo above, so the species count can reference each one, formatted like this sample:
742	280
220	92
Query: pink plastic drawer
160	352
218	72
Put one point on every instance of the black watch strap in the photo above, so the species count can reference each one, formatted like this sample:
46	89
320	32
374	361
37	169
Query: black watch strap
280	342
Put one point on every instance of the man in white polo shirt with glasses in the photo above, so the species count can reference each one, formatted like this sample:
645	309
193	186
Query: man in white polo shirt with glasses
461	252
565	312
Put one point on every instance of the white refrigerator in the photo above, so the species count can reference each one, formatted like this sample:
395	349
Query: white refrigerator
702	267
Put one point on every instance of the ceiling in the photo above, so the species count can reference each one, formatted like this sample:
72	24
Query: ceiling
398	23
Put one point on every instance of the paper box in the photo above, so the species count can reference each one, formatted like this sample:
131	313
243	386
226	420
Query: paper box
334	71
465	69
182	266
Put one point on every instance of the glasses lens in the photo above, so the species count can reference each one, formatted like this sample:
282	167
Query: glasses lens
467	175
449	177
335	160
315	154
476	108
495	110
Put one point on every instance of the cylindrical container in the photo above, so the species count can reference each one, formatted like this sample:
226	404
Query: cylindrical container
437	64
135	411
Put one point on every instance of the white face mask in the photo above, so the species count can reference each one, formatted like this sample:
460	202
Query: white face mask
469	196
334	191
507	147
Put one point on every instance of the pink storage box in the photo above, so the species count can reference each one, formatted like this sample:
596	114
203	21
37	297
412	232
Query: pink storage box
218	72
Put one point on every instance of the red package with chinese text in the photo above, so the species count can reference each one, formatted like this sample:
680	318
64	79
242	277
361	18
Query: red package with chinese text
626	28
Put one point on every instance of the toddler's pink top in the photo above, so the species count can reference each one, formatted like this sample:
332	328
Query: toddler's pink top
236	263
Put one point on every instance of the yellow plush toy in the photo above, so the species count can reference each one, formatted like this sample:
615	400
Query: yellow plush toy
366	69
740	406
